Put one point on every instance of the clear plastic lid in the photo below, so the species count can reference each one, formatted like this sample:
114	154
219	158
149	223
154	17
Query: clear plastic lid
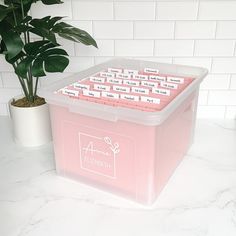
123	89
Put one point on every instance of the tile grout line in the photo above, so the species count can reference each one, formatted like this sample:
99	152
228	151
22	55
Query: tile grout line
165	39
156	15
198	7
114	47
210	70
230	81
197	17
154	48
134	28
113	11
72	18
72	13
207	97
174	33
216	30
1	79
225	111
114	19
155	20
92	22
234	53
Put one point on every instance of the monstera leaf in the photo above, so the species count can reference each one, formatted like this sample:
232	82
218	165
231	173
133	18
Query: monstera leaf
32	60
51	2
48	27
24	2
74	34
43	27
41	57
11	40
4	11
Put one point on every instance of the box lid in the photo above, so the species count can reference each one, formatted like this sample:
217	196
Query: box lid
114	113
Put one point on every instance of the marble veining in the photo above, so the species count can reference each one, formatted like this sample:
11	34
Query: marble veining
199	200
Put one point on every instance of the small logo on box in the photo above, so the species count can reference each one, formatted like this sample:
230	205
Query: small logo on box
98	154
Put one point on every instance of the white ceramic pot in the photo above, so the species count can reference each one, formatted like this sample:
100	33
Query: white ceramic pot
31	125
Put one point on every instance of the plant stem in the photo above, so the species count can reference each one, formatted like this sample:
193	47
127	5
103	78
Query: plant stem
14	14
22	85
30	84
36	87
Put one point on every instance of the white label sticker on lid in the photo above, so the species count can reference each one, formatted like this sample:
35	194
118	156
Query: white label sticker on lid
150	100
131	72
169	85
140	90
175	80
151	70
97	79
123	76
149	84
101	87
114	81
129	97
131	82
107	74
110	95
161	91
90	93
157	77
114	70
81	86
141	77
121	89
70	92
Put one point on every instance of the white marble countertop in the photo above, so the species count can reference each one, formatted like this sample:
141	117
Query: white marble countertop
200	198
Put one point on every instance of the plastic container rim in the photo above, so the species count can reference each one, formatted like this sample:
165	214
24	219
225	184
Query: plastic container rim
116	113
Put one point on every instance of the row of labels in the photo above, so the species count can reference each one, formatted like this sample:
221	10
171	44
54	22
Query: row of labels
127	89
105	94
131	71
166	84
120	75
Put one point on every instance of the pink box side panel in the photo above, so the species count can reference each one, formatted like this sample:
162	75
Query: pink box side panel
173	140
134	160
106	153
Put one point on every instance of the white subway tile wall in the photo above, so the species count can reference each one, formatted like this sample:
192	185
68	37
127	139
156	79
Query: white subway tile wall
191	32
174	47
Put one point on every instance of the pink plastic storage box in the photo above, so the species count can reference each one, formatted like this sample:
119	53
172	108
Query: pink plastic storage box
124	125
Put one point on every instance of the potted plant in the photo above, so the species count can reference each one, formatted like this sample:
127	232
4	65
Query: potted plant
32	60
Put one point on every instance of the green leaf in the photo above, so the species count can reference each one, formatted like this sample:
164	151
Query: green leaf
66	37
22	28
42	28
16	58
33	47
17	9
4	11
74	34
37	68
50	2
56	63
47	46
53	20
23	67
36	31
2	47
51	37
8	2
26	19
13	43
54	51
